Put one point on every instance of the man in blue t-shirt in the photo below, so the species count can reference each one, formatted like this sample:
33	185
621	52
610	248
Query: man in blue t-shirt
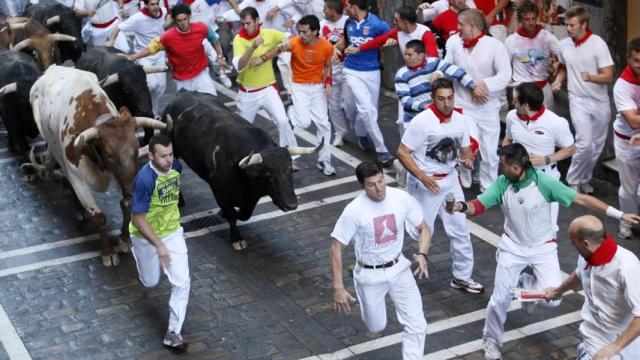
362	71
156	235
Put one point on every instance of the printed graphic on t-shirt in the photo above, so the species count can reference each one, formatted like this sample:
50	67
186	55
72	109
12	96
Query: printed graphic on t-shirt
168	191
532	57
446	150
385	230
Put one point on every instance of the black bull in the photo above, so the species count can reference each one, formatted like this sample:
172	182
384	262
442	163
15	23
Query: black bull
240	161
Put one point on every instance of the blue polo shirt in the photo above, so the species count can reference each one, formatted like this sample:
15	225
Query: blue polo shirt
360	33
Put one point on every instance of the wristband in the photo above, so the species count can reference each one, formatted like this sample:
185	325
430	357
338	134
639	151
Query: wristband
328	80
465	207
614	213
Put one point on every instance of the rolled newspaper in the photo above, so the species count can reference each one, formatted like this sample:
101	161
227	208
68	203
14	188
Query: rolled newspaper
524	295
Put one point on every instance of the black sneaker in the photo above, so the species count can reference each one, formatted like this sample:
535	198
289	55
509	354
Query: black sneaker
385	159
175	341
468	286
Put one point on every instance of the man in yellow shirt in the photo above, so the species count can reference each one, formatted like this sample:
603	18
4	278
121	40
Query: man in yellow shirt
258	87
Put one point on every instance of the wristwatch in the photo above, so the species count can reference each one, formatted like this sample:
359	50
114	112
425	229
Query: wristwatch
547	160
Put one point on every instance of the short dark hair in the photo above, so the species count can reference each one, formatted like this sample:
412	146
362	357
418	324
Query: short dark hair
158	139
312	21
634	45
180	9
530	94
407	13
515	154
361	4
526	7
416	45
441	83
249	11
335	5
367	169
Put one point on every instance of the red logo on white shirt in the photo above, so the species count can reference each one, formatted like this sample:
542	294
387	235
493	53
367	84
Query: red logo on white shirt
385	230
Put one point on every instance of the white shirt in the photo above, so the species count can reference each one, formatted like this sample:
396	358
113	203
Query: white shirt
627	97
488	61
530	57
298	9
590	56
262	7
333	31
612	299
377	228
201	11
436	146
404	38
103	14
144	28
440	6
540	137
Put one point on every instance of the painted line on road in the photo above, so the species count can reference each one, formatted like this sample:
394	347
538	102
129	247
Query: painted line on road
11	342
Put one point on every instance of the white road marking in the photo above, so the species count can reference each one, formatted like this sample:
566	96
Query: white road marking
11	342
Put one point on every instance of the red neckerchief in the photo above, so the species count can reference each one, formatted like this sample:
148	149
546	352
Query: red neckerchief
523	33
628	75
442	117
471	43
146	11
188	2
583	39
533	117
243	33
603	254
414	68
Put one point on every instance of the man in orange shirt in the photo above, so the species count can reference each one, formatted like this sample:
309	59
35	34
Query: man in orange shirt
312	84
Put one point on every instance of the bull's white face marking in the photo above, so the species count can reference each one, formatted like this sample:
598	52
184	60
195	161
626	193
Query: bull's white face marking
213	156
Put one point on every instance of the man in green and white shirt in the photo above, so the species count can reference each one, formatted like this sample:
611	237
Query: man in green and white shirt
525	195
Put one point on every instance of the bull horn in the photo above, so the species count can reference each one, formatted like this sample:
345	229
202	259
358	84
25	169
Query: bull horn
17	26
111	79
169	121
52	20
155	69
149	123
300	150
61	37
85	136
9	88
251	159
22	44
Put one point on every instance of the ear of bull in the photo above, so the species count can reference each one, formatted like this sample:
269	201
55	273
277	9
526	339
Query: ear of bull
300	150
150	123
22	44
85	136
8	88
52	20
155	69
111	79
251	159
62	37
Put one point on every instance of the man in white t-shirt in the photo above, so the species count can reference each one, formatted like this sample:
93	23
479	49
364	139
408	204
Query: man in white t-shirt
146	25
531	49
433	143
103	18
589	68
626	94
375	221
608	275
541	132
487	61
429	11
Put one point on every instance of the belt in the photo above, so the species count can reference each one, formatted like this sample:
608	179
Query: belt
244	89
541	84
622	136
438	176
381	266
104	25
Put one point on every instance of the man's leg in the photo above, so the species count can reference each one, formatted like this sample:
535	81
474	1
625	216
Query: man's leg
336	109
629	174
273	106
365	86
178	274
248	105
488	122
284	65
581	120
147	262
157	83
600	119
546	269
371	288
299	113
408	303
320	117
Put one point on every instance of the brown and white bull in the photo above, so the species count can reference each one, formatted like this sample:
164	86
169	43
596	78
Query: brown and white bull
91	140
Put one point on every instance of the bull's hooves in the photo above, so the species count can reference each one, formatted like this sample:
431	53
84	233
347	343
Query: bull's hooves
111	260
124	246
239	245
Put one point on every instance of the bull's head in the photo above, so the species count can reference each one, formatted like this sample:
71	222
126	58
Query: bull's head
37	38
131	86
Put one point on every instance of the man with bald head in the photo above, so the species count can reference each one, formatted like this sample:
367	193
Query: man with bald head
611	311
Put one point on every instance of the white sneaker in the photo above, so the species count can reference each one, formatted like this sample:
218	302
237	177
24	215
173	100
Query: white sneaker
401	173
466	178
326	168
491	350
224	79
338	141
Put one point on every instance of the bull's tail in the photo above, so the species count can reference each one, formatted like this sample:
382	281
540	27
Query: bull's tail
43	164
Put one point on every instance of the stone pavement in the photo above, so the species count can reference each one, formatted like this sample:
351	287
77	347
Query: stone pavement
271	301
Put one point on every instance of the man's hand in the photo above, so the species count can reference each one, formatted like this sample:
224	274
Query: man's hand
272	13
109	43
635	140
585	76
288	23
457	206
328	90
351	50
255	62
480	92
430	184
336	55
222	61
552	293
556	86
606	352
421	271
424	6
390	42
537	160
163	255
631	218
342	300
257	42
129	57
466	162
435	76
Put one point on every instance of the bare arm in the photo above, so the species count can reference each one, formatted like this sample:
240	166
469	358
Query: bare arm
341	297
592	203
570	283
140	221
632	117
423	248
603	77
244	59
404	155
500	5
538	160
560	77
140	54
112	36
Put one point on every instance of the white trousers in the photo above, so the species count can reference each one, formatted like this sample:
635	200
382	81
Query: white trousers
157	82
488	121
594	339
337	110
546	269
590	118
454	225
99	36
200	83
310	105
146	256
284	65
548	97
268	98
628	159
372	286
365	88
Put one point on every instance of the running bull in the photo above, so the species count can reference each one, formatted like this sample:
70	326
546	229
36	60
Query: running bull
91	141
239	161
